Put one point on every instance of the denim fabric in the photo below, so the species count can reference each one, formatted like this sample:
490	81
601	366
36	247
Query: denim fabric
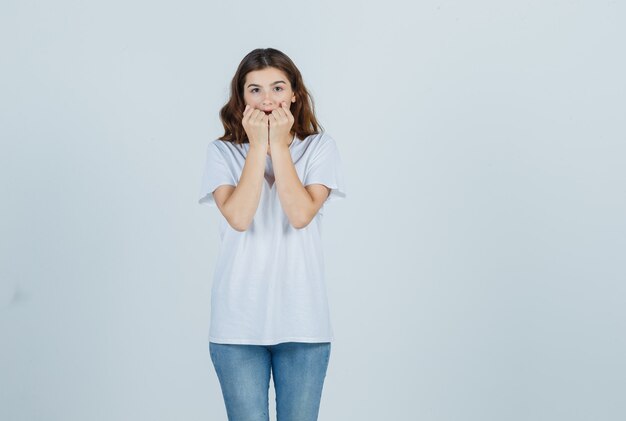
298	369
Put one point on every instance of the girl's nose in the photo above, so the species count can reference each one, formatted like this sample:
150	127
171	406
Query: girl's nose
268	98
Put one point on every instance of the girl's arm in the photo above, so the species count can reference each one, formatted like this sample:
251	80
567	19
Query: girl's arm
300	203
239	204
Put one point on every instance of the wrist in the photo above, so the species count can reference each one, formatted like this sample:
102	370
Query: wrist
281	141
258	148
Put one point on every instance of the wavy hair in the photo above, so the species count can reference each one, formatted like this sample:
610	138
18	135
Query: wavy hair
303	110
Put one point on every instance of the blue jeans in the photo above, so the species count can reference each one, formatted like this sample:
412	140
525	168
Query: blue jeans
298	369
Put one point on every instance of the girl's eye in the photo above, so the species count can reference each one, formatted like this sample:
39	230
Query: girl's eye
253	90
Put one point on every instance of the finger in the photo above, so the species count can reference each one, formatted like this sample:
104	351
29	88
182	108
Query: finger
286	108
253	115
256	115
249	112
245	114
279	113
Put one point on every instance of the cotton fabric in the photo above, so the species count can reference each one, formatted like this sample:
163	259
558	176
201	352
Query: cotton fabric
269	281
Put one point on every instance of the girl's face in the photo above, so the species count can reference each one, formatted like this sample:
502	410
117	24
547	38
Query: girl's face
265	89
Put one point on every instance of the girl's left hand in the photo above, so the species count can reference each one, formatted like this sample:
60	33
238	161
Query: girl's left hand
281	121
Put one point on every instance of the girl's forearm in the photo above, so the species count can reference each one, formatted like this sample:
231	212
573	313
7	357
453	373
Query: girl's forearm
295	200
242	204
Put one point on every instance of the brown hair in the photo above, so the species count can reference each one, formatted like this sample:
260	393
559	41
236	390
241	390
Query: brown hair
303	109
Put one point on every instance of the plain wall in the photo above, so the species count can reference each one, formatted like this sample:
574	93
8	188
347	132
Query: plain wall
475	271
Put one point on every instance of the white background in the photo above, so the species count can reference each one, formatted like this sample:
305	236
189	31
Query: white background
475	271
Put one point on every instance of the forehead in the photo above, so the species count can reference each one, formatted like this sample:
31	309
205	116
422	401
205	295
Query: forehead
266	76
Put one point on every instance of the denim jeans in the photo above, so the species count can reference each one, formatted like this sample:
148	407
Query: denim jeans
298	369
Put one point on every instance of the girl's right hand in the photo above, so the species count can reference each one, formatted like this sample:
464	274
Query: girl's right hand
256	125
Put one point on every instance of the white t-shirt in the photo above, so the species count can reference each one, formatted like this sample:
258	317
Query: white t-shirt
269	280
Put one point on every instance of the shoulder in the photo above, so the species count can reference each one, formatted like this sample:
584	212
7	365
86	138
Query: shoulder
321	138
320	142
223	148
221	145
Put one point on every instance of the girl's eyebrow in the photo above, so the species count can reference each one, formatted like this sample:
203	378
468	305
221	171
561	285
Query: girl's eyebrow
278	81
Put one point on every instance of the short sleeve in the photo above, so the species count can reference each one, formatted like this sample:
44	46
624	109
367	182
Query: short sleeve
325	167
216	173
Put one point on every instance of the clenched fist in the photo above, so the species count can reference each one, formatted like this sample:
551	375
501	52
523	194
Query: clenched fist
256	125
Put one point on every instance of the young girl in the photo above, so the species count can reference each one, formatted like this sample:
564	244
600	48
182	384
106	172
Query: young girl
270	175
